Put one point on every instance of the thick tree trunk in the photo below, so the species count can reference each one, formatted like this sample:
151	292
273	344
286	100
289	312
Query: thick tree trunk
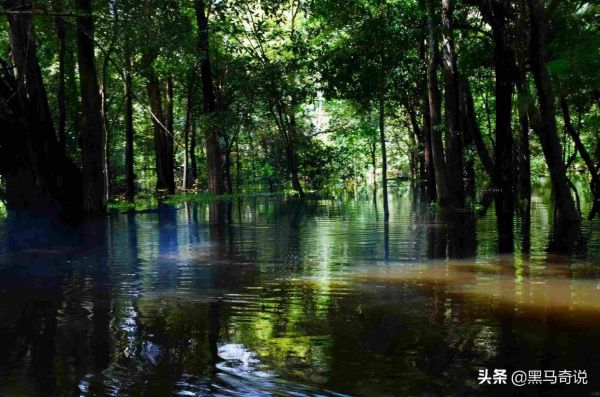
93	134
129	132
435	104
26	67
547	132
214	155
496	15
454	144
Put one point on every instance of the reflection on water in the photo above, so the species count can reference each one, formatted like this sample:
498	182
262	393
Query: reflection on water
292	298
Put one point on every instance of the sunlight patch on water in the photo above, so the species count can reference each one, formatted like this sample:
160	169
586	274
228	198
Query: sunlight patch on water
560	289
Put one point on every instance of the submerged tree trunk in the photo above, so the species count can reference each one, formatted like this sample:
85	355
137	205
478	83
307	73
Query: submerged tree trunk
435	104
214	155
93	133
384	185
547	130
496	15
454	144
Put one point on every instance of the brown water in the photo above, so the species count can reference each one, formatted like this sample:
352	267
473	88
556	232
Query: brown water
293	298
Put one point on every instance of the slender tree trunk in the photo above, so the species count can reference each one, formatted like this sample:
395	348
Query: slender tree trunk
386	210
547	132
524	154
168	138
429	172
291	156
587	159
193	162
468	142
428	154
129	132
186	134
214	155
159	124
417	137
435	104
59	24
454	144
93	134
473	129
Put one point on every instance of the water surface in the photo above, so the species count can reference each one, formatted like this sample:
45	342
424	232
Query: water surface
292	298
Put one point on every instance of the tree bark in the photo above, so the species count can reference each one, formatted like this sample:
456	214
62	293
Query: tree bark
61	33
93	133
587	159
454	144
159	123
547	132
384	184
169	138
214	155
129	131
524	154
435	104
187	174
496	15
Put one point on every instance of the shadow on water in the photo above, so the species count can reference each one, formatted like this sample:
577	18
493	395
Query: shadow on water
290	297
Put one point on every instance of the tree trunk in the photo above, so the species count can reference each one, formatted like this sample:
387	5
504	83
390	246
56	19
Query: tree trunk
59	24
168	138
291	156
473	130
587	159
129	132
496	15
186	134
214	155
38	176
193	162
454	145
386	210
159	124
93	134
547	132
524	154
435	104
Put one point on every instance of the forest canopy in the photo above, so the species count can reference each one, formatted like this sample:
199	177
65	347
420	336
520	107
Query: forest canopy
106	99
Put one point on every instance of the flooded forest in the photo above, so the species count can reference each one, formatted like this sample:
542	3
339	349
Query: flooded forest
299	198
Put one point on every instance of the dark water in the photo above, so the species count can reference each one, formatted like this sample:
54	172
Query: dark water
293	298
